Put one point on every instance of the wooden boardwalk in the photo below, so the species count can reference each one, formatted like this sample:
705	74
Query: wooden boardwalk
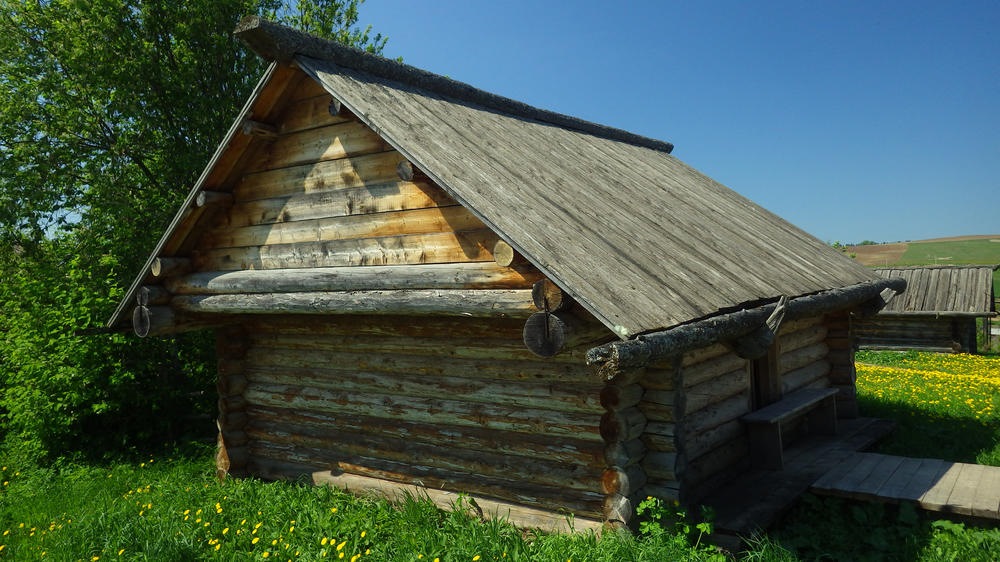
970	490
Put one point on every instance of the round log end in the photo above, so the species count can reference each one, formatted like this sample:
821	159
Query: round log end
140	321
544	334
405	170
504	254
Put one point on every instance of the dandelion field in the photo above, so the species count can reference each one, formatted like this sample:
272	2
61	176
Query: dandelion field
945	405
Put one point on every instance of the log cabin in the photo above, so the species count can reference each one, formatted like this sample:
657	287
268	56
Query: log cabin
939	311
418	285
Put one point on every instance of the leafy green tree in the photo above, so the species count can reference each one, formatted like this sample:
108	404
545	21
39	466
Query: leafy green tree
109	109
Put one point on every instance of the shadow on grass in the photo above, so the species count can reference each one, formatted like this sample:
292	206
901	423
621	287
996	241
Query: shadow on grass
925	434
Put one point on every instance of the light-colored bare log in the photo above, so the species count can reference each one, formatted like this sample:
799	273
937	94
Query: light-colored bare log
168	267
328	175
310	112
394	223
505	255
342	140
361	200
454	302
411	249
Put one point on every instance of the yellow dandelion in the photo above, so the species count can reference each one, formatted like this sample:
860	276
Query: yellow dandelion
324	541
226	530
255	540
341	545
265	555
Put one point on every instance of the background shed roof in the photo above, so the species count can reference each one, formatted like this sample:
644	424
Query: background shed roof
639	238
942	289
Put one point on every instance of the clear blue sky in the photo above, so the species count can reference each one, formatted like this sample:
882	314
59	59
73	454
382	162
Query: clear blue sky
853	120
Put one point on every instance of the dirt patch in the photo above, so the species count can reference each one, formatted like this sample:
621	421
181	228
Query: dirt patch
878	254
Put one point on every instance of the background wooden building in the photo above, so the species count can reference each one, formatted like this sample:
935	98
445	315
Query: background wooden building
414	282
939	311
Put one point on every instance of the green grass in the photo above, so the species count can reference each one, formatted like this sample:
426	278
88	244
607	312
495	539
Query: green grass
969	252
174	509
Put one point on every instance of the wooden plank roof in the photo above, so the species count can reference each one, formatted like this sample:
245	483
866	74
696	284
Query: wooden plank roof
941	290
642	240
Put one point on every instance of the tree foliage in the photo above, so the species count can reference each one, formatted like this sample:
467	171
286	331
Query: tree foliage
109	110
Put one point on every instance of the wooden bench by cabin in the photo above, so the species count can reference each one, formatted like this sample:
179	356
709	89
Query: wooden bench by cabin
766	444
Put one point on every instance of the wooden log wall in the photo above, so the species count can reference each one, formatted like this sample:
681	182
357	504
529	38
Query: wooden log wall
925	333
622	425
318	204
843	375
233	453
450	403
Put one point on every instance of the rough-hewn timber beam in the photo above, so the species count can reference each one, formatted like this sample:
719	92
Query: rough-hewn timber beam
613	357
473	303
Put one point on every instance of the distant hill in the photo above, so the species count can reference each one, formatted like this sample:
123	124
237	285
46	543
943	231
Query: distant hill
961	250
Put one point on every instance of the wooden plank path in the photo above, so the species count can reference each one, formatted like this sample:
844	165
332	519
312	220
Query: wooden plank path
969	490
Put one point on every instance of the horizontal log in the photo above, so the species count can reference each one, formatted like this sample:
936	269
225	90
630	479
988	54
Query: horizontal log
801	357
659	412
475	275
328	175
168	267
235	438
430	220
715	390
702	354
162	320
624	481
341	140
437	410
447	456
446	302
812	334
624	453
699	443
524	517
662	377
363	201
359	427
213	198
407	249
233	457
718	413
361	379
660	465
713	368
233	403
729	457
659	443
398	362
624	425
265	131
790	326
309	113
523	493
804	376
665	429
152	295
610	359
619	397
471	347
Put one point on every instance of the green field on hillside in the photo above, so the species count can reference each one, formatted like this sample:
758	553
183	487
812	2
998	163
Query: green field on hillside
959	252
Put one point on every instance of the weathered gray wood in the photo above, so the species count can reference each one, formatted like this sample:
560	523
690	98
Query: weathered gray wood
163	320
152	295
791	405
451	302
619	397
544	334
814	374
624	454
622	425
473	275
548	296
